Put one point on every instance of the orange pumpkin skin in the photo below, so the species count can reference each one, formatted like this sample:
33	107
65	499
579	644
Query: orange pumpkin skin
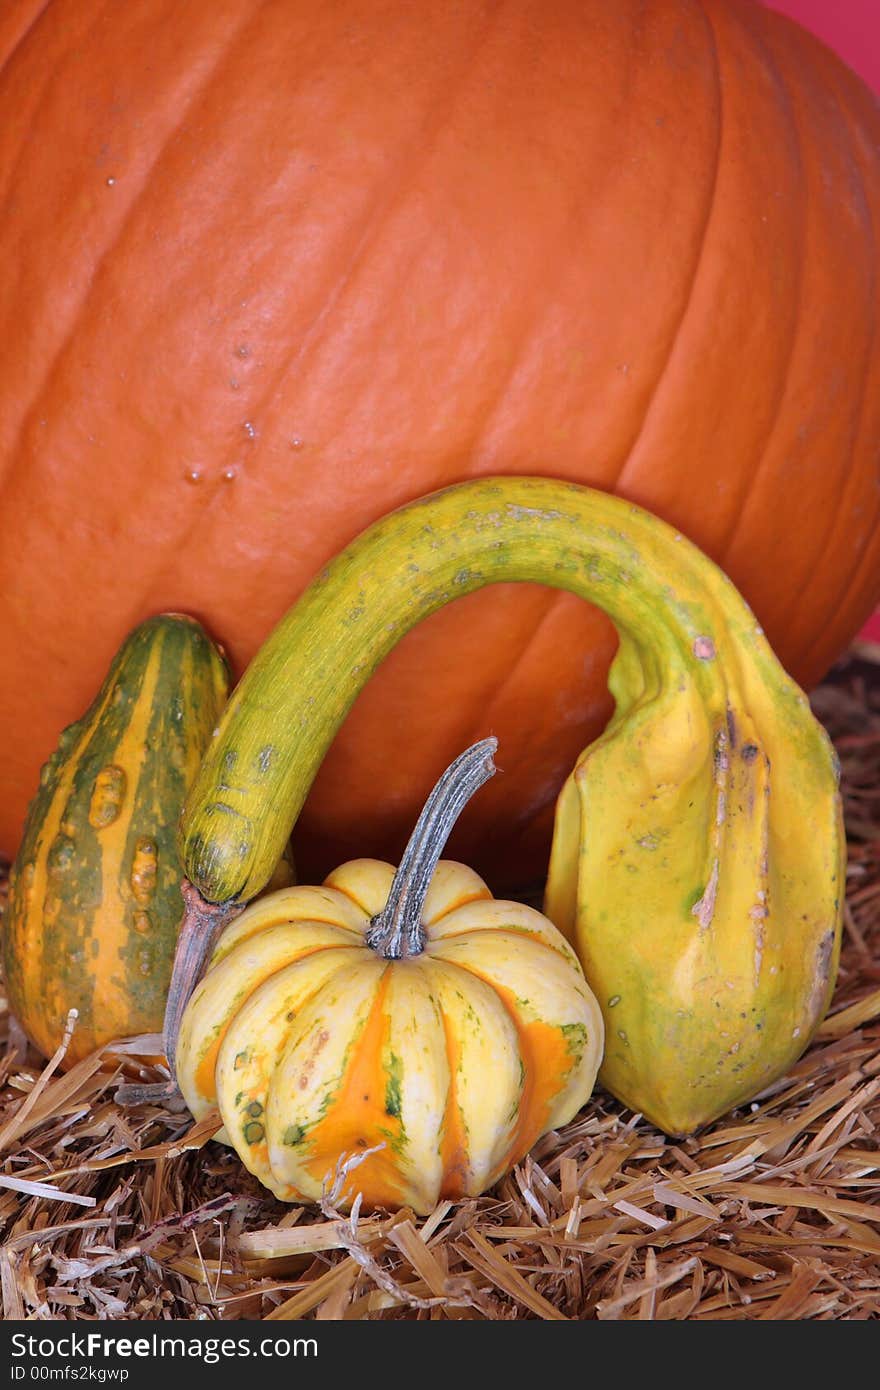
274	269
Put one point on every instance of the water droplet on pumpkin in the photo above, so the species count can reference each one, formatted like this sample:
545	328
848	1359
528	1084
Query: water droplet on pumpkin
230	474
250	429
296	442
193	475
110	182
108	795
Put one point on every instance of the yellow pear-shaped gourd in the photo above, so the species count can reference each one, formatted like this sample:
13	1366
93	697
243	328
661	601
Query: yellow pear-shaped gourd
698	858
408	1017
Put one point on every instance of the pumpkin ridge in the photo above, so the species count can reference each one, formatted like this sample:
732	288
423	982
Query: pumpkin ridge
767	25
860	420
51	78
376	217
98	269
772	62
552	268
25	32
620	483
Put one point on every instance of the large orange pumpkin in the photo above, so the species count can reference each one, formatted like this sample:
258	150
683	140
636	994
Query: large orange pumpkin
272	269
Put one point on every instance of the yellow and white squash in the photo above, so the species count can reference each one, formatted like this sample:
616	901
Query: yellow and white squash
409	1017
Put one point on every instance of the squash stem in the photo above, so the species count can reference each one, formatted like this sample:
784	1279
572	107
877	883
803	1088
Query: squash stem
397	932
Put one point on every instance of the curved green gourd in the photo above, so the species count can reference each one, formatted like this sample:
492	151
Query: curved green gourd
698	852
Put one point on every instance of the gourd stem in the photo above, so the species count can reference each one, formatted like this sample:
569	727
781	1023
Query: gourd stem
202	925
397	932
199	932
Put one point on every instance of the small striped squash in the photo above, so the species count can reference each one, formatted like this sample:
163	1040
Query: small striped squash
95	900
440	1052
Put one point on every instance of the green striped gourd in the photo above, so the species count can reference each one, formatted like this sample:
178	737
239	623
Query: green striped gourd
95	900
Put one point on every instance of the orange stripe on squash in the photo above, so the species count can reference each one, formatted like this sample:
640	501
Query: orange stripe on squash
547	1062
454	1144
356	1118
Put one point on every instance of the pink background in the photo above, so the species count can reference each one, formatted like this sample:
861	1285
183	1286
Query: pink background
852	28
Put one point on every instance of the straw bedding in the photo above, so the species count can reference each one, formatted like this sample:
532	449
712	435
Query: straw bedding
771	1213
